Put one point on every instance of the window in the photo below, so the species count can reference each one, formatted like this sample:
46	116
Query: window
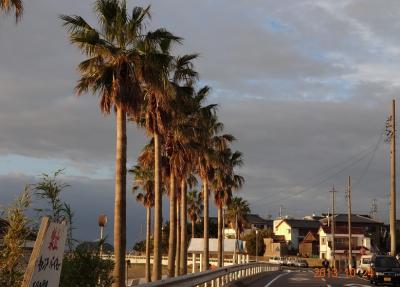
323	241
366	261
323	255
288	231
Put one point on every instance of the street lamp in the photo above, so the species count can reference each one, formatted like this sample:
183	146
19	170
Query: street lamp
256	245
102	222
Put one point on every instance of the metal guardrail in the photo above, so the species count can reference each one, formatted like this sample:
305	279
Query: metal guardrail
215	278
142	259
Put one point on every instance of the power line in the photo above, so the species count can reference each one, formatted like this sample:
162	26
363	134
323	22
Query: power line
369	162
318	183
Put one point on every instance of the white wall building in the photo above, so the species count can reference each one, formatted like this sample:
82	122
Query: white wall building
294	230
359	242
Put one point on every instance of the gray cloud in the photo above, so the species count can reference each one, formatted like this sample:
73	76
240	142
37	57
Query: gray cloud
303	85
88	198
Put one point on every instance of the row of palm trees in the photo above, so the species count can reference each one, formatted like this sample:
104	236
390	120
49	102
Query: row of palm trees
135	75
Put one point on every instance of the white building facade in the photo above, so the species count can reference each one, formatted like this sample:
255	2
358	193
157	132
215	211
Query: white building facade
360	244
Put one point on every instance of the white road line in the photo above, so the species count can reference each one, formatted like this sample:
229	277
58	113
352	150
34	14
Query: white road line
276	278
328	285
323	279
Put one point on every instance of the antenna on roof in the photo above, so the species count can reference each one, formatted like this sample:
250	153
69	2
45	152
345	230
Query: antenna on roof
374	209
281	211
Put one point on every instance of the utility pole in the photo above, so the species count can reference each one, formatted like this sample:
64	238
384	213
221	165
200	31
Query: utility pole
391	134
280	211
333	226
374	209
348	195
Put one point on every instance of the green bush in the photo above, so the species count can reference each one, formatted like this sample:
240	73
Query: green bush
84	268
250	239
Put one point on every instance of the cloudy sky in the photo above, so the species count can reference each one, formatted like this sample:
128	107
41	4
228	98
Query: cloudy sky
305	86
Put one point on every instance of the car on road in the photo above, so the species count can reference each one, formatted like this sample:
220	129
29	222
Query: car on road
364	265
283	261
384	269
290	261
300	263
274	260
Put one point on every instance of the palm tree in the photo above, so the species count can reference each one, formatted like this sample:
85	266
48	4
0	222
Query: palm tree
160	112
172	226
237	211
225	181
121	63
175	148
9	5
195	207
144	179
207	163
178	234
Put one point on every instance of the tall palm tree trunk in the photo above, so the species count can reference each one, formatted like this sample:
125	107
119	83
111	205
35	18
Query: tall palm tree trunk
192	228
172	226
205	227
148	227
178	240
120	201
220	237
157	210
183	265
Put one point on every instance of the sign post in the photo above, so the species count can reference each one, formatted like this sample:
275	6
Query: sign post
44	267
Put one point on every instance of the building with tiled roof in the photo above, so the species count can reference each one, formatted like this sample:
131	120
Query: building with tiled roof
372	228
360	243
295	230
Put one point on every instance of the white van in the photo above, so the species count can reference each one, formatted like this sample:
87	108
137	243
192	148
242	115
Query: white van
364	264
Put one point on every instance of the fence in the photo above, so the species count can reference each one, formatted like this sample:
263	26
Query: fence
215	278
139	259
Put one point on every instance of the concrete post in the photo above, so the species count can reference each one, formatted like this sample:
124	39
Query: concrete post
193	262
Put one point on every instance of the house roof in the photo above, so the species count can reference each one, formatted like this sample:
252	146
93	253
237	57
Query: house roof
301	223
256	219
355	218
311	237
342	230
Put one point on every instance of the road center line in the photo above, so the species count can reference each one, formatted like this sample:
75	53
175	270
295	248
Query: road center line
276	278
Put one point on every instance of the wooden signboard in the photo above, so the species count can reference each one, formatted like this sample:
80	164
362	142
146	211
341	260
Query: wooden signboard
45	263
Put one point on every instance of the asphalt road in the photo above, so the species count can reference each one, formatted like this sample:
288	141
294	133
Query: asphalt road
301	278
